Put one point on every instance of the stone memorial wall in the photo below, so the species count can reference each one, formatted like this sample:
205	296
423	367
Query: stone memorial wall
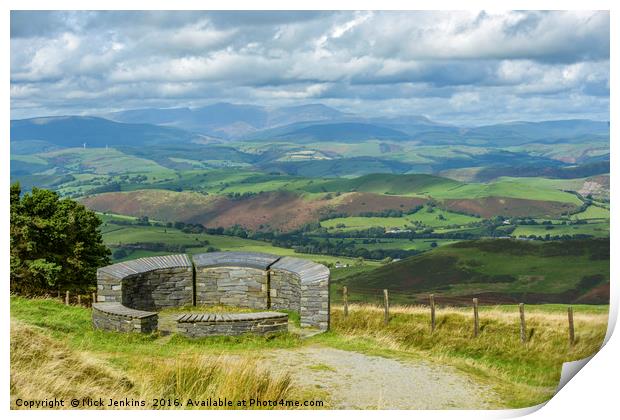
247	280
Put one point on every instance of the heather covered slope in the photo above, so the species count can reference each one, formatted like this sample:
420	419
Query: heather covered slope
496	270
289	210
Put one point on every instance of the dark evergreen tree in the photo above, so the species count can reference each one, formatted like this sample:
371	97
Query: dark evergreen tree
55	243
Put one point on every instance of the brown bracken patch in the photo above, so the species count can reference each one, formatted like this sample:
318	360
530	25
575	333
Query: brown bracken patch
510	207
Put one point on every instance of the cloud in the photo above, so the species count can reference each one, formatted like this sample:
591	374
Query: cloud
444	64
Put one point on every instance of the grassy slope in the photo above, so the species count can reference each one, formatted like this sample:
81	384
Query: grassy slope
102	161
521	375
406	244
386	184
510	269
444	188
592	212
431	219
507	188
599	230
56	353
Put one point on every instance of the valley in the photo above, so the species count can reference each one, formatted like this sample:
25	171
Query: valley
361	195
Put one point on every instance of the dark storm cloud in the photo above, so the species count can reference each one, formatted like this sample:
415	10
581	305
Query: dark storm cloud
436	63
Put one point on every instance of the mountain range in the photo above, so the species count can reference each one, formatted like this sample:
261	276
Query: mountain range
225	122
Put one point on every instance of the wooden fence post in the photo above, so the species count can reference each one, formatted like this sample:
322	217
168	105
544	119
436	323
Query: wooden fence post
386	303
345	301
476	321
522	316
571	326
94	298
67	298
432	299
79	297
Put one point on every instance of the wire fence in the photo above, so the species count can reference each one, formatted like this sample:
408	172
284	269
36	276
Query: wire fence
375	296
383	297
77	298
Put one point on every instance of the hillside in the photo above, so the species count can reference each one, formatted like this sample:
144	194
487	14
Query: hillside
72	131
387	184
287	210
341	131
496	271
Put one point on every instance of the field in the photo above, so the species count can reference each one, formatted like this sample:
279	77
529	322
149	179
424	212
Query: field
405	244
593	213
254	185
104	161
599	230
56	353
425	217
115	236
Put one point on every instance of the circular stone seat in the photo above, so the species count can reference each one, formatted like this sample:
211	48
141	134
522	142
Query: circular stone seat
242	279
209	324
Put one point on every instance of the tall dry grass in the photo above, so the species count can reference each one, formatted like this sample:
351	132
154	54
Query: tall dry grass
525	374
200	378
42	367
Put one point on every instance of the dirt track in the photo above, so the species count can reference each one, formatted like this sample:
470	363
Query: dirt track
358	381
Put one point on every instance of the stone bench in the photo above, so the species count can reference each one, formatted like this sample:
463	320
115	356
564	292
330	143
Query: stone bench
114	316
210	324
242	279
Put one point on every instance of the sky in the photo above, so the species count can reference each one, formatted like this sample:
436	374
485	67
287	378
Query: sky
466	67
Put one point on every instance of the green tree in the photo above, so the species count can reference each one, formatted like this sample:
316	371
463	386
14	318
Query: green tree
55	243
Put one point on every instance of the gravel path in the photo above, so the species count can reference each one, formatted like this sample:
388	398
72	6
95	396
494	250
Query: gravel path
358	381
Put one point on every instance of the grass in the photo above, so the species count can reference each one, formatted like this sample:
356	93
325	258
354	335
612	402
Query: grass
508	267
598	230
56	353
322	367
444	188
71	360
405	244
102	161
65	373
592	212
425	217
513	188
520	374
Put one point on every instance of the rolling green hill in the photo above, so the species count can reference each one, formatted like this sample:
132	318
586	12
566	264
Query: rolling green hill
425	217
73	131
494	270
411	184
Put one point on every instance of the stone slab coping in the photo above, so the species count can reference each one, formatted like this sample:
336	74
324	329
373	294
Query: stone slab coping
116	308
235	259
308	271
230	317
146	264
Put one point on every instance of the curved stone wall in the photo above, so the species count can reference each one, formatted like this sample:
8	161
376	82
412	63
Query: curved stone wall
205	325
232	278
148	284
307	281
251	280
